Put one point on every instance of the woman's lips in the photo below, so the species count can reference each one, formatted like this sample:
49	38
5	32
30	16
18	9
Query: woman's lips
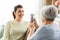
20	15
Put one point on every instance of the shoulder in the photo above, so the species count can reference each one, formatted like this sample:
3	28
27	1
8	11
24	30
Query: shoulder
44	29
8	22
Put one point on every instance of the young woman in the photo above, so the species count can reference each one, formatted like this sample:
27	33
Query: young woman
16	29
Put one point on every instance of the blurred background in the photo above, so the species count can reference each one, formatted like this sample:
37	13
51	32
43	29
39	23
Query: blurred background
30	7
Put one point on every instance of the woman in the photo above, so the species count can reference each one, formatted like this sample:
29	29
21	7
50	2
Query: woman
48	30
15	29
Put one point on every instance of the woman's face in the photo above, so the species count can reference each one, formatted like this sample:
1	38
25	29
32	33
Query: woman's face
19	13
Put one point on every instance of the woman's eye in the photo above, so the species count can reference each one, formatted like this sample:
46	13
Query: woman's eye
19	11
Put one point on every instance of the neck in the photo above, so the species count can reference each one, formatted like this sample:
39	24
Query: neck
17	20
48	22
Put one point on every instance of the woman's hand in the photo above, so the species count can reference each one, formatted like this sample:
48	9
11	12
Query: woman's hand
32	26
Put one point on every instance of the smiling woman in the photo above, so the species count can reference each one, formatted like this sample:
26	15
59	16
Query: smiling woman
15	29
6	9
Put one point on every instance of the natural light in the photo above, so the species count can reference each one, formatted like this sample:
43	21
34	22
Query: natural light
7	6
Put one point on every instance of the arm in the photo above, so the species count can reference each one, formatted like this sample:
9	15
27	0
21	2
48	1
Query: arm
6	32
33	26
35	35
31	30
40	34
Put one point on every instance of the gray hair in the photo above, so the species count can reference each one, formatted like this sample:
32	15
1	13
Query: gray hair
49	12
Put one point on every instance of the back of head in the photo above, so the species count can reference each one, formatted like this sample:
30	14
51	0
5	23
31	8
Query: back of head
49	12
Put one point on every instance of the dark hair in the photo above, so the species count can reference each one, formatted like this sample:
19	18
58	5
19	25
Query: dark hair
13	15
15	9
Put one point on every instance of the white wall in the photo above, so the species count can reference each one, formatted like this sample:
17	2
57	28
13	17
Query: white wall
41	4
7	6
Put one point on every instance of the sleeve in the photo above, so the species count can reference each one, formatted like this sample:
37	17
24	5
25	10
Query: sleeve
35	36
41	34
6	31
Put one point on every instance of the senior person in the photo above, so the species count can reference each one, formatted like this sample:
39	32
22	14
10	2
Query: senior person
48	30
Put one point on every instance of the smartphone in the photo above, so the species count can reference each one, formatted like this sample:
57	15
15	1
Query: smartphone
32	17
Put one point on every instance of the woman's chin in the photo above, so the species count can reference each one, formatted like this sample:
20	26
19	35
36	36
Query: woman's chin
20	18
